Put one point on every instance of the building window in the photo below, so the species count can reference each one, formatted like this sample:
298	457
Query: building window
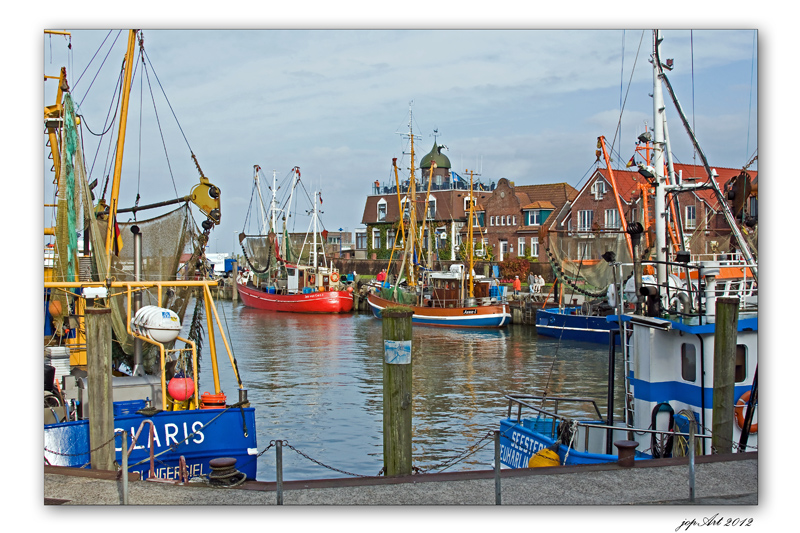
691	217
466	202
432	208
534	246
479	219
376	238
361	241
514	220
534	218
405	204
688	362
598	189
381	210
612	219
585	219
391	233
584	251
521	246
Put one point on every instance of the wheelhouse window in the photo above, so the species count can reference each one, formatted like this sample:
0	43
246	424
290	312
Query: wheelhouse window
688	362
740	370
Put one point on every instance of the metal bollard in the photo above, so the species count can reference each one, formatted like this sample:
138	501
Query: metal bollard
124	467
279	470
497	491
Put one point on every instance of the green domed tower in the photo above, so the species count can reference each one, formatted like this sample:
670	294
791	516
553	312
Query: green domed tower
441	175
435	155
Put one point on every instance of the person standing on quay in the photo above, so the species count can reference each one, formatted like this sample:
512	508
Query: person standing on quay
517	286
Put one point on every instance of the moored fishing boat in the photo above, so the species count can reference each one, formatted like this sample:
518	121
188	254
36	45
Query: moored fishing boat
274	281
149	402
453	298
689	346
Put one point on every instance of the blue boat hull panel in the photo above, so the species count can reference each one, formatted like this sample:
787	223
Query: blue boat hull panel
198	435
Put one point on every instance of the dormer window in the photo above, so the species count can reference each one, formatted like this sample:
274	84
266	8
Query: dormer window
381	210
466	202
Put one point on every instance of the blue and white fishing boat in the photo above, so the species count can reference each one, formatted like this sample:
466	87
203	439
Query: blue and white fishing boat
672	395
571	323
140	276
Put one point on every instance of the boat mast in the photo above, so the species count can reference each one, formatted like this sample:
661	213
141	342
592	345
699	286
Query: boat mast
123	121
658	164
262	225
470	243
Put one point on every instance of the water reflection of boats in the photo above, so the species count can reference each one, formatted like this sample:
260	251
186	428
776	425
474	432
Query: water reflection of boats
674	389
172	431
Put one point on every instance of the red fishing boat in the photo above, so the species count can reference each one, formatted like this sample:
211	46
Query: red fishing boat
305	297
273	280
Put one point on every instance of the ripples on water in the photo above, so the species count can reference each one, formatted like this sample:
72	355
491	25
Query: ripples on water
316	382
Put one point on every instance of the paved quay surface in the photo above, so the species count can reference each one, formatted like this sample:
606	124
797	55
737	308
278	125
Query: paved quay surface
719	480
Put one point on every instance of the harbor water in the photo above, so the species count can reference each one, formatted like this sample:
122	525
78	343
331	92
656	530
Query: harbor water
316	384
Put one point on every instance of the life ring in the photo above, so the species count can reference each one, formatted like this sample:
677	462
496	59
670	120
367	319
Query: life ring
311	278
334	277
739	412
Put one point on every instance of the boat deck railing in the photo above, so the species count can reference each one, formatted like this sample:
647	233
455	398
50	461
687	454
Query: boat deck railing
545	418
127	288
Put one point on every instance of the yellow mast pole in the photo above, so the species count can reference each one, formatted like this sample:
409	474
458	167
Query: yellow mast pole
412	213
123	120
470	246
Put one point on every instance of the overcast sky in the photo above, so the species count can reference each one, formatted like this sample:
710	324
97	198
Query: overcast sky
527	105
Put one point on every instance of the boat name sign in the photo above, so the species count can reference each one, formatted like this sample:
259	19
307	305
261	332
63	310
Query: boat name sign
521	449
397	352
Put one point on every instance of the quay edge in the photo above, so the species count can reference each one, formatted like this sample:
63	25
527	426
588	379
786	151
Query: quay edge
724	479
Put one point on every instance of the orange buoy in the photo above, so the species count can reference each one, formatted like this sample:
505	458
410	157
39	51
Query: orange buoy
739	412
212	401
181	389
54	308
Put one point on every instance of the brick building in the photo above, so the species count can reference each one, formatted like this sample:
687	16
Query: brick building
594	214
507	217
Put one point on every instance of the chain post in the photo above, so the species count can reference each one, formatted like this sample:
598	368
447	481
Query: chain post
497	491
279	471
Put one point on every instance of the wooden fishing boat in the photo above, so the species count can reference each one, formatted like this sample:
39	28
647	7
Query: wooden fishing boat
451	298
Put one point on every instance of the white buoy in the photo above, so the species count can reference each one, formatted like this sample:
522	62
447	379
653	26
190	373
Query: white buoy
156	323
